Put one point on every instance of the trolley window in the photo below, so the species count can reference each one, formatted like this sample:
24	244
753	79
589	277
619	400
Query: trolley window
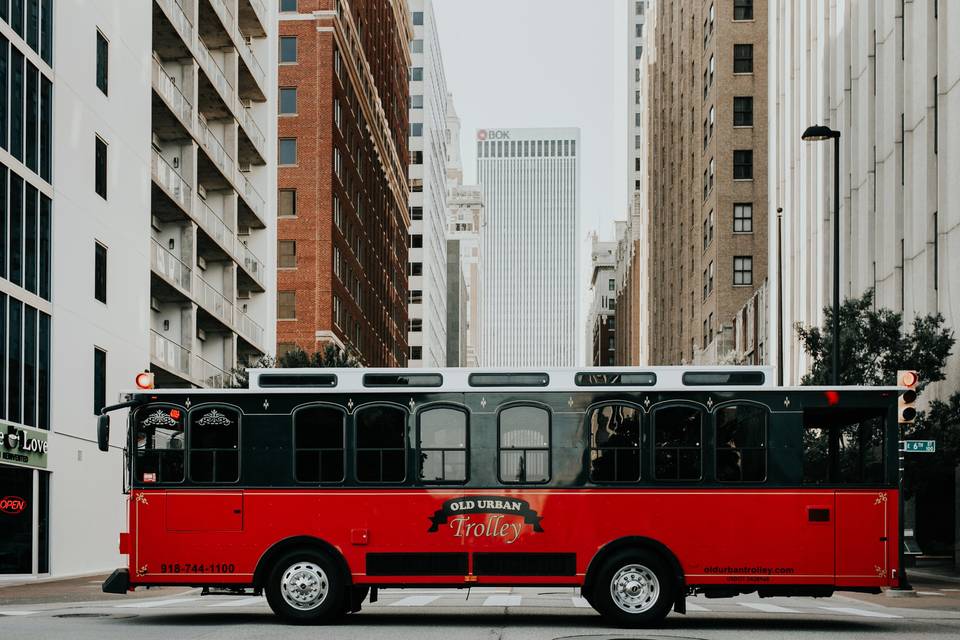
843	446
678	443
524	445
318	444
159	445
215	445
614	443
742	443
443	445
381	444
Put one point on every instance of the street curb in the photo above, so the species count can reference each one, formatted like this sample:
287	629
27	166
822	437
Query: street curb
920	573
19	582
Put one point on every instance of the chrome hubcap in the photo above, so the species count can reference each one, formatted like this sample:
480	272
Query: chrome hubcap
635	588
304	586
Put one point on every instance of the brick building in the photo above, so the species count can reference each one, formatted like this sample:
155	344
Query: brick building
707	174
342	157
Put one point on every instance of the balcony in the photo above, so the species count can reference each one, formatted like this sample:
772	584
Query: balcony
184	364
218	79
170	181
254	134
166	41
253	17
251	197
248	58
171	268
212	301
215	150
171	95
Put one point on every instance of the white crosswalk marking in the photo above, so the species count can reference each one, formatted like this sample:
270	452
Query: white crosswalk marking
414	601
696	608
767	608
579	601
860	612
931	593
150	604
503	601
239	602
16	613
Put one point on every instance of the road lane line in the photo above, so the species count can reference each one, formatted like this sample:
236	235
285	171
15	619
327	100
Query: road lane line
150	604
579	601
503	601
860	612
696	608
931	593
18	613
239	602
414	601
766	608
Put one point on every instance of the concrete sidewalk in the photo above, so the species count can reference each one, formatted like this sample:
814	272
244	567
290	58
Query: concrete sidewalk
84	589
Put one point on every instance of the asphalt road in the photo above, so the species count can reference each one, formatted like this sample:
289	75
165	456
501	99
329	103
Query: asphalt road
489	614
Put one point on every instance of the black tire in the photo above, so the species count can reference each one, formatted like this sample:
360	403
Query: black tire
645	588
307	586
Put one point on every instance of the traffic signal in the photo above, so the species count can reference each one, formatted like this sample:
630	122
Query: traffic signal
145	380
907	412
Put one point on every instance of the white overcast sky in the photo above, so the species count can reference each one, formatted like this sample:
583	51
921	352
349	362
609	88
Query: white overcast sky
545	63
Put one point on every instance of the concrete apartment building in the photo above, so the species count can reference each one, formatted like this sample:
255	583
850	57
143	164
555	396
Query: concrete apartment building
529	244
885	75
465	218
427	270
708	175
342	153
601	316
136	180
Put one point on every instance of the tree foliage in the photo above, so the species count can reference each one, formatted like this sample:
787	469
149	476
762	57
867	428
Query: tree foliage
873	345
331	357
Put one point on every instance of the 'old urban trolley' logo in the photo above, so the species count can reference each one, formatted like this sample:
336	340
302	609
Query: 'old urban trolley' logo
460	515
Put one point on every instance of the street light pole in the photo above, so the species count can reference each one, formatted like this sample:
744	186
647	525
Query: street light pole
817	133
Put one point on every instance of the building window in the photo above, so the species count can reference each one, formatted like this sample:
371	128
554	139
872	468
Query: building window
287	151
416	101
288	49
286	203
416	157
100	272
416	353
416	269
416	129
524	444
416	186
743	58
100	167
288	100
418	18
743	111
99	380
415	325
415	296
611	284
416	74
416	46
337	113
743	270
416	213
288	5
743	217
103	49
286	254
416	241
743	164
710	273
286	305
743	9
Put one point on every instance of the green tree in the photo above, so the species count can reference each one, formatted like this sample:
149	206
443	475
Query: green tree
331	357
873	345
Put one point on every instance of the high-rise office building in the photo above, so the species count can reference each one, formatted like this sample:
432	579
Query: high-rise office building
884	75
427	270
343	193
530	246
707	197
136	179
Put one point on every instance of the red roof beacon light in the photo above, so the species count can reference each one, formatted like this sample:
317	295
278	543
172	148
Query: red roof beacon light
833	398
145	380
909	380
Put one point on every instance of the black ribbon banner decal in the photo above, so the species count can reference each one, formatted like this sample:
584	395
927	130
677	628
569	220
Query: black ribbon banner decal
485	504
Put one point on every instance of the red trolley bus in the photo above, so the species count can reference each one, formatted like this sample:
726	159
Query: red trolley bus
640	486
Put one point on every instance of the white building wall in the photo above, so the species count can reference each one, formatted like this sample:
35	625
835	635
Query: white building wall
868	70
530	248
432	312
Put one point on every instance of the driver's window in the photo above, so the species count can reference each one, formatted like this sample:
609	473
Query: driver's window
159	445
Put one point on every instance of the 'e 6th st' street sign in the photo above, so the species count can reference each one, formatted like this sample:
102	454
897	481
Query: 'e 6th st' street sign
23	446
919	446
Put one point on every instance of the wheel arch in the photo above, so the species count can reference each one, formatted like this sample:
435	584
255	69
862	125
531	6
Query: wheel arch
278	549
634	542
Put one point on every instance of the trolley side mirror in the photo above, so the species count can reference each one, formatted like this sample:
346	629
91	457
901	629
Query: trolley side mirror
103	432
